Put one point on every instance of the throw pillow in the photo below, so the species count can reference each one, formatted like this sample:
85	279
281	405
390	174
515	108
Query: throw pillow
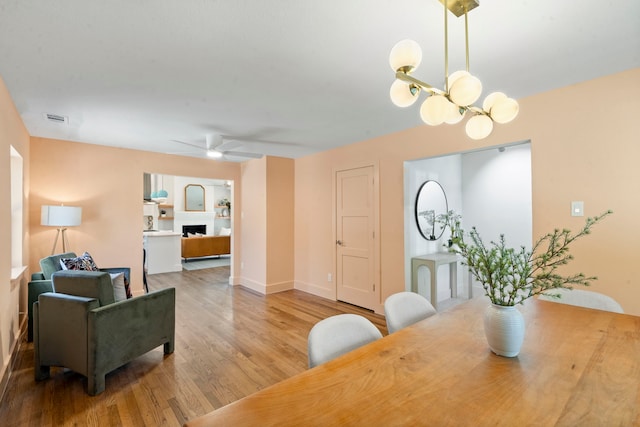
83	262
119	289
225	231
127	288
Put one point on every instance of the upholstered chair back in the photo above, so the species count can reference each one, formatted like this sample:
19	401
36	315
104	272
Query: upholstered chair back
582	298
89	284
406	308
337	335
51	264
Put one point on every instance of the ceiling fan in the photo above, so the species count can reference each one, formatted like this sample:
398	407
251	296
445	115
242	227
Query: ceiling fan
216	147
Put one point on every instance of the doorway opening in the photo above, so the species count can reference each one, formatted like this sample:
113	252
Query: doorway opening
203	228
490	188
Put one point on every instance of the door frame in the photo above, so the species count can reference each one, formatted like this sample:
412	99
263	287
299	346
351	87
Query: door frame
379	308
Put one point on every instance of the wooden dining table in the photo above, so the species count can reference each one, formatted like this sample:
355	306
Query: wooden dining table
577	367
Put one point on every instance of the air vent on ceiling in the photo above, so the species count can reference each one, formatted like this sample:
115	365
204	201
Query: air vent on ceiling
56	118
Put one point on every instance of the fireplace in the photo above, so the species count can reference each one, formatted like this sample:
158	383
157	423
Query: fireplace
193	229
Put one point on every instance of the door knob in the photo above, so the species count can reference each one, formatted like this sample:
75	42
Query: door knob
339	242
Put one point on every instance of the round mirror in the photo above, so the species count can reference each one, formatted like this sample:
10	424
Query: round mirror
430	202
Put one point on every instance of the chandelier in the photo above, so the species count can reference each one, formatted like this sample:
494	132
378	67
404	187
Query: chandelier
461	89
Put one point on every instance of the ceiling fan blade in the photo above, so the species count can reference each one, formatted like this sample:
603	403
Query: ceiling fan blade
215	142
188	143
228	145
261	141
243	154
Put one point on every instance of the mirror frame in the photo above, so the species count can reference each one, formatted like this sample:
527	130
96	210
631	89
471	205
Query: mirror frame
422	193
193	205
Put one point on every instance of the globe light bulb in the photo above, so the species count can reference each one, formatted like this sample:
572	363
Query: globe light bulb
479	127
403	94
435	109
405	55
455	114
465	89
501	108
491	100
455	76
504	110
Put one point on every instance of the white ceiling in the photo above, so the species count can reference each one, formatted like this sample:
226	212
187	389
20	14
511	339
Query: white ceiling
295	76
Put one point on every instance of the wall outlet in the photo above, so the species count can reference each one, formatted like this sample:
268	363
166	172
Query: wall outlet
329	277
241	265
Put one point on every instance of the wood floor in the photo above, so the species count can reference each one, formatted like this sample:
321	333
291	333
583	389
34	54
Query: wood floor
230	342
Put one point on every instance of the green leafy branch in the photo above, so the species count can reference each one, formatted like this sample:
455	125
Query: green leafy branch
509	276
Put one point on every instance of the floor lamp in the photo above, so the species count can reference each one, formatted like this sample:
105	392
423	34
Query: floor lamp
61	217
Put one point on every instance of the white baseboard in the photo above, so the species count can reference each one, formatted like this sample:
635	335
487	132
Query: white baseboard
8	368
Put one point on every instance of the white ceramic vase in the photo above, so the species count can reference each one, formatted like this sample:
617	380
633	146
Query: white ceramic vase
504	329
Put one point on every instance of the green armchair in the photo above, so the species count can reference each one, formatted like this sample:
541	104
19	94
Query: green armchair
83	328
41	282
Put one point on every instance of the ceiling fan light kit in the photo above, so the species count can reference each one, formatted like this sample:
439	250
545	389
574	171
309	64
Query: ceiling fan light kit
217	148
461	91
212	145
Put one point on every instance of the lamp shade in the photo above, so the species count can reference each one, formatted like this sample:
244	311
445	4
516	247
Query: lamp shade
61	216
406	54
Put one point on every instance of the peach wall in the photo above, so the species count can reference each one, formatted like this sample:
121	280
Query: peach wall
313	235
280	175
267	217
580	151
12	297
254	219
107	183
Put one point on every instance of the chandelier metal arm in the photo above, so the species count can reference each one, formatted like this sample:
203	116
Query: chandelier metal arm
426	86
476	110
435	91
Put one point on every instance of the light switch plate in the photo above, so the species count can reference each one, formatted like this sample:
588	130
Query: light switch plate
577	208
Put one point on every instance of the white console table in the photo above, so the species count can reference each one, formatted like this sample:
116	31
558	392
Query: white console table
432	262
163	251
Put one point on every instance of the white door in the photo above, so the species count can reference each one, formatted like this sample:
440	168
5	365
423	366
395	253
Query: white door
355	237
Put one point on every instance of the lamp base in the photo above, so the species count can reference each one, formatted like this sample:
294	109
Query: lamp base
64	241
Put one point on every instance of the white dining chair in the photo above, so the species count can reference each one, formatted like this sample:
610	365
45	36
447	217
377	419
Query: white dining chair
581	298
337	335
406	308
